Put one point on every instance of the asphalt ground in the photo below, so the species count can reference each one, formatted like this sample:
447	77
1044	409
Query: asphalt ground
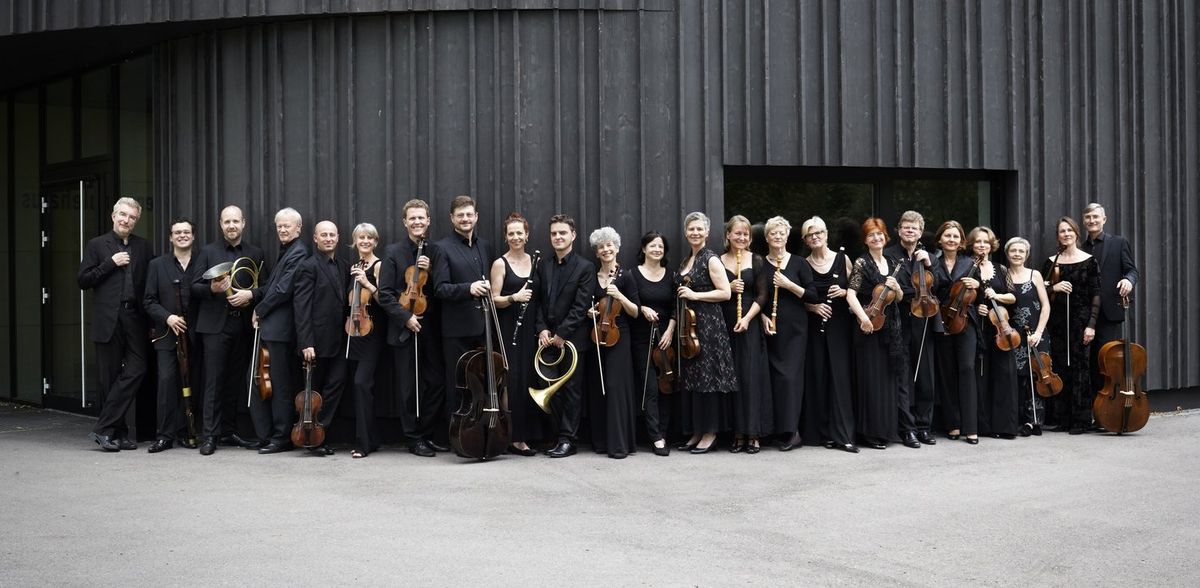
1056	510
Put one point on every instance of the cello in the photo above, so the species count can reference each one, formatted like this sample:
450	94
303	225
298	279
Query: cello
308	432
479	429
1121	406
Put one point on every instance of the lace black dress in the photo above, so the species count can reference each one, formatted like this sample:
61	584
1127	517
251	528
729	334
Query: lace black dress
1024	315
526	420
828	377
1070	314
996	385
880	359
752	403
707	379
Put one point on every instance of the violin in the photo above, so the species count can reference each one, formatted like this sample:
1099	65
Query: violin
1121	406
686	338
308	432
1046	382
359	323
956	310
925	304
1007	338
605	333
413	297
664	362
881	297
263	375
479	429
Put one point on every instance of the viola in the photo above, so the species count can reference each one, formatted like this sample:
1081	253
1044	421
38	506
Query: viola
413	297
308	432
664	362
359	323
1007	338
479	429
925	304
1121	406
263	375
686	337
605	333
956	310
881	297
1045	381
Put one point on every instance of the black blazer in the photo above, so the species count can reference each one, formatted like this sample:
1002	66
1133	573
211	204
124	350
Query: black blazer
962	267
321	304
212	308
565	314
397	259
98	272
1116	263
276	319
454	268
161	300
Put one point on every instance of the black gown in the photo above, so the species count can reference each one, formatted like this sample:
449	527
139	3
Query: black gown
1072	361
659	296
828	377
527	422
996	385
1025	314
880	359
707	379
366	352
785	349
752	401
612	409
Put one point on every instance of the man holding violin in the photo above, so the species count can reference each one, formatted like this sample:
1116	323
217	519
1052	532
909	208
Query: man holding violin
565	287
1118	275
413	336
320	307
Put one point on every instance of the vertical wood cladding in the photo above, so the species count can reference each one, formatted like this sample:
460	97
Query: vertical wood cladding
628	117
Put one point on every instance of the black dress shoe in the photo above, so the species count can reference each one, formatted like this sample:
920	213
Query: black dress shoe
662	451
527	452
618	455
235	440
125	444
875	444
270	448
686	446
1008	436
438	447
910	440
159	445
208	447
972	440
1076	431
738	446
1026	430
793	442
697	450
187	443
1037	430
1096	428
322	450
104	441
953	437
849	448
421	449
563	449
926	438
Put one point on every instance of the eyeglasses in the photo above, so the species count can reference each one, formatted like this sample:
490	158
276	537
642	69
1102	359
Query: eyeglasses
814	234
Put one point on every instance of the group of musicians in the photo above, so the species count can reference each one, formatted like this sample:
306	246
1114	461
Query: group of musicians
783	349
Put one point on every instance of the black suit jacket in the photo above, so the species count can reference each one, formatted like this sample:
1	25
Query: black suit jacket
162	301
564	313
963	265
397	259
1115	259
321	303
455	267
98	272
212	308
276	317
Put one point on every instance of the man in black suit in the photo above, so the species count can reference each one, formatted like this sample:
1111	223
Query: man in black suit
274	318
223	323
1118	275
566	286
321	288
413	338
114	268
460	280
169	305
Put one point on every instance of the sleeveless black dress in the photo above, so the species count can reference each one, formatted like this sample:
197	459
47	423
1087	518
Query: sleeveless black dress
527	422
996	385
1025	314
828	377
752	402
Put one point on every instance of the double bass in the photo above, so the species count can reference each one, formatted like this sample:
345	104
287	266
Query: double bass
1121	406
479	429
308	432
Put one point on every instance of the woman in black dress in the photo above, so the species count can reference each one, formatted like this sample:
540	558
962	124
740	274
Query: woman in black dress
1030	315
956	353
785	322
365	351
613	408
1074	280
512	278
706	379
752	402
656	293
828	377
880	356
996	385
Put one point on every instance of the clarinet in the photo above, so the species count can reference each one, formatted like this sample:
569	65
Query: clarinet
828	298
537	256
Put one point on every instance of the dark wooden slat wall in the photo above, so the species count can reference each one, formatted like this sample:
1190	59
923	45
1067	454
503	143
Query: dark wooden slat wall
629	117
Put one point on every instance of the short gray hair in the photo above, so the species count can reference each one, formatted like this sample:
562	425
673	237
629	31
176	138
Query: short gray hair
697	216
1093	206
776	222
289	213
127	201
604	235
1016	241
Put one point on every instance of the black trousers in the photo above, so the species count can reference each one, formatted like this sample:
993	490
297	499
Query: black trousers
956	366
426	366
654	407
226	376
566	405
170	419
122	362
273	417
366	367
329	379
919	395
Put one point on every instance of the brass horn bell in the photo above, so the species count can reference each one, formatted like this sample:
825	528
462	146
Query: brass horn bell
542	396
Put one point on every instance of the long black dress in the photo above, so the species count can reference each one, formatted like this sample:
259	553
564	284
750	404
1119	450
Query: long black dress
752	402
1025	314
996	385
366	352
659	296
612	409
1072	362
880	359
527	422
708	378
828	377
785	349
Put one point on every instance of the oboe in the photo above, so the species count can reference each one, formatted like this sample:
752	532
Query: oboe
185	380
828	298
775	296
738	257
537	255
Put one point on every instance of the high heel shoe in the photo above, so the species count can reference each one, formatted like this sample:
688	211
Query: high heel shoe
739	445
972	440
753	447
686	446
952	436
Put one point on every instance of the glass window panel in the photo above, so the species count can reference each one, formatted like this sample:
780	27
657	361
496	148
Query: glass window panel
966	201
27	236
5	270
94	114
842	205
135	141
60	121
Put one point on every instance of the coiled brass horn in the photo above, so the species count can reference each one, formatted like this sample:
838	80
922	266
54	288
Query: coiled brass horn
231	269
542	396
